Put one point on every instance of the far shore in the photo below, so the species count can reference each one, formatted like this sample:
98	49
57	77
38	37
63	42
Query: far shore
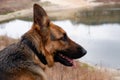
55	10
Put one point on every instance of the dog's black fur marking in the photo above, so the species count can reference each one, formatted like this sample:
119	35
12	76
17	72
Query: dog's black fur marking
33	48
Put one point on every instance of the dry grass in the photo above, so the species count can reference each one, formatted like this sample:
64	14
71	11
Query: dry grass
5	41
82	71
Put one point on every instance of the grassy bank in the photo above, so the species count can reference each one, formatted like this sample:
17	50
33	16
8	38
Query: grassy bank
5	41
82	71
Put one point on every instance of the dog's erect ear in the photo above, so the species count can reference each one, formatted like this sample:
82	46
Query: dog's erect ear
40	16
41	22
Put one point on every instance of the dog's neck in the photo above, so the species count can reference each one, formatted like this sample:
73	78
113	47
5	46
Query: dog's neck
31	45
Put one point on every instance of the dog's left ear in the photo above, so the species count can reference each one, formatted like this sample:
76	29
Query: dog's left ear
40	16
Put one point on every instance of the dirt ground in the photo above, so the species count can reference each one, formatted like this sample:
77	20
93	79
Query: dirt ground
7	6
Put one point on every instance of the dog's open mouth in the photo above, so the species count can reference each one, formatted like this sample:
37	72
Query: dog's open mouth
65	60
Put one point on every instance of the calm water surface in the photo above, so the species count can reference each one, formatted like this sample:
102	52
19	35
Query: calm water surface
102	42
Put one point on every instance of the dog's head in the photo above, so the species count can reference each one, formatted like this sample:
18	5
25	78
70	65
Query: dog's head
57	46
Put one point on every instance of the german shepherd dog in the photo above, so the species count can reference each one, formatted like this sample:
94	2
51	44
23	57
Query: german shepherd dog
44	44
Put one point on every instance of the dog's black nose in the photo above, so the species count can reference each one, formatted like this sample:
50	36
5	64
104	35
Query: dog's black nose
84	51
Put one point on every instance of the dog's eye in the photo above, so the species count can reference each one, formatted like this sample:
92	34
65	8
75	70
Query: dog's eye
64	38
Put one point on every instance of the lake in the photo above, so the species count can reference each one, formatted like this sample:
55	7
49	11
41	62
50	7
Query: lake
102	41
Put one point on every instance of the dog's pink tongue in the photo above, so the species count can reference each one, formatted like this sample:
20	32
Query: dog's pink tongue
74	64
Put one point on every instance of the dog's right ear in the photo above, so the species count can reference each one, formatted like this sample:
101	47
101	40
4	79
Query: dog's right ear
41	24
40	16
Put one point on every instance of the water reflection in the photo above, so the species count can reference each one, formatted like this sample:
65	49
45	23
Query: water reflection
102	42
